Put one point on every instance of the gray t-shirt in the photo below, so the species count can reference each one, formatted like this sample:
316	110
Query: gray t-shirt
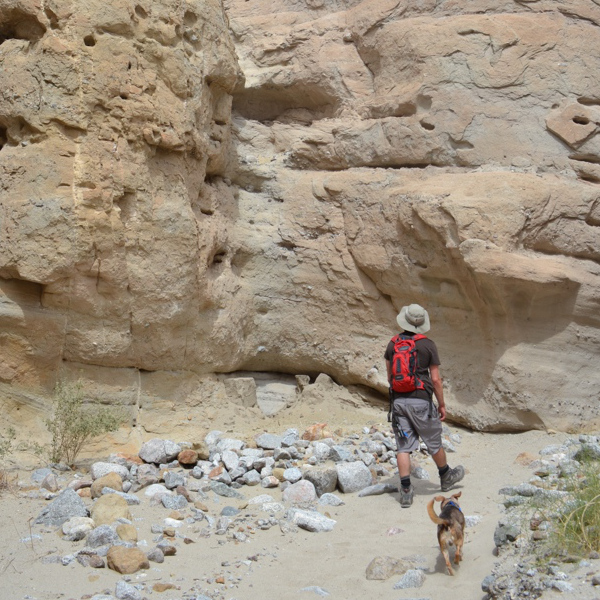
427	354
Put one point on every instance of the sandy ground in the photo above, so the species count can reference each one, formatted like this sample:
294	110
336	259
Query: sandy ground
272	564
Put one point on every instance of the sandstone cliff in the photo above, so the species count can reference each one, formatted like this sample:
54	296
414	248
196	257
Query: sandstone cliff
201	201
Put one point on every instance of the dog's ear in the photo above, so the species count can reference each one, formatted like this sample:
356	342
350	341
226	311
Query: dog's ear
457	495
439	498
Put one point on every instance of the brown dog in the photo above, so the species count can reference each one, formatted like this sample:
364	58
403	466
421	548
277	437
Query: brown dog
451	527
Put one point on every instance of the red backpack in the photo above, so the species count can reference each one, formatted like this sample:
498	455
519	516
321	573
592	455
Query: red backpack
405	364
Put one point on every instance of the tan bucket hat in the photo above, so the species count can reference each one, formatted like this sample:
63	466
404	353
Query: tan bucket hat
414	318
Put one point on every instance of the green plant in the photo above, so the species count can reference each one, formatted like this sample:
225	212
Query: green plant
6	447
578	527
73	424
6	442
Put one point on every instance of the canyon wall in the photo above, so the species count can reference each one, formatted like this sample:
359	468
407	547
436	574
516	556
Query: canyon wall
212	203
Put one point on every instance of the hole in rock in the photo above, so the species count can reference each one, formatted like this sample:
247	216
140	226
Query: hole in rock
590	179
287	244
218	258
89	40
588	101
269	104
18	25
127	205
426	125
21	291
581	120
460	144
189	18
14	130
588	158
52	17
140	12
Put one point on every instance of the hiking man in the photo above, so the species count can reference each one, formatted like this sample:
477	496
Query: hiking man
413	412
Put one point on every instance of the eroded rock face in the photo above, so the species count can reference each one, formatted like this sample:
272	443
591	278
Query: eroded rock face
495	231
115	139
190	190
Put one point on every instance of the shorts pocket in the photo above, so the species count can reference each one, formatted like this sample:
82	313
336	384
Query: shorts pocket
421	412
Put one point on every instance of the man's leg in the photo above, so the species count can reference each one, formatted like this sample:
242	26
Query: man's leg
406	489
448	477
440	458
407	441
403	460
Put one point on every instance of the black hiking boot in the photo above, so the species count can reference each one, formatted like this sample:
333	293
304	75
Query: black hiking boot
452	477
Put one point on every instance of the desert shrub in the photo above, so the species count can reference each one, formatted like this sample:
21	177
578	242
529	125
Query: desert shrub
578	526
7	440
6	447
73	424
572	521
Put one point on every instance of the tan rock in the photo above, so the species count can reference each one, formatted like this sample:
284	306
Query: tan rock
168	549
126	560
202	449
50	483
110	480
183	491
278	473
109	508
525	458
384	567
128	533
163	587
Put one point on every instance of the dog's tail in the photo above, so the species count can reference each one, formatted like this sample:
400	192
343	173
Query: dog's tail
435	518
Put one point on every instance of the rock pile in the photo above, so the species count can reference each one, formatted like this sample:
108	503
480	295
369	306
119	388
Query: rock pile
283	480
525	569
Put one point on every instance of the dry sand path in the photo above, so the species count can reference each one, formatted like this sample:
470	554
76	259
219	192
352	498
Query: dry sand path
273	565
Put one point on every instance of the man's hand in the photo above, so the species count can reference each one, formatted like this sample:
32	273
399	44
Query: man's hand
442	412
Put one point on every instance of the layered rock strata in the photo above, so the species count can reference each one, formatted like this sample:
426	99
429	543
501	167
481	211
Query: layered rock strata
202	201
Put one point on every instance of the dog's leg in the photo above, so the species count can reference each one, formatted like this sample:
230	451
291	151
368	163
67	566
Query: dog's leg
459	544
444	550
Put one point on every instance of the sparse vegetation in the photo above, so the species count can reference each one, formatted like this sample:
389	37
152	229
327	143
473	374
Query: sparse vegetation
571	522
73	424
6	447
6	443
578	526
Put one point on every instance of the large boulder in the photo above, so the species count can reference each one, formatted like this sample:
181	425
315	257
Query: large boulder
353	476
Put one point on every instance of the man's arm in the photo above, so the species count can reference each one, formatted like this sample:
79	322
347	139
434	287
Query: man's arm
438	389
388	367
